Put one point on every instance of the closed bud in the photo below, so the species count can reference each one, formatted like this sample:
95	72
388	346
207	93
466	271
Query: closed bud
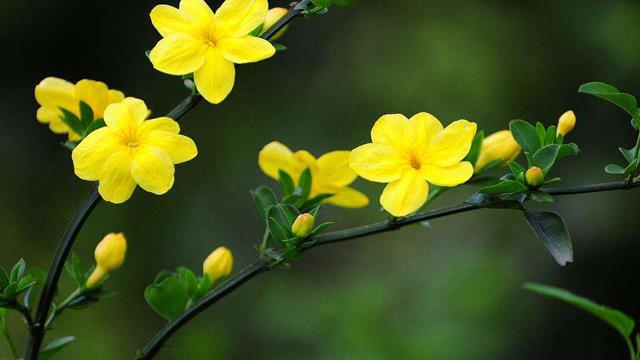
566	123
534	176
498	146
218	264
273	16
109	255
303	226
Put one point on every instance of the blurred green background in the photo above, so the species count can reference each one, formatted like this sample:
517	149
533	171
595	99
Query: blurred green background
449	292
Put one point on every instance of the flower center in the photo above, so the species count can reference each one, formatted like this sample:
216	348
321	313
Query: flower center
415	162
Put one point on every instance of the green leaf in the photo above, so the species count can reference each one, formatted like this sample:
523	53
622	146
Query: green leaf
504	187
285	214
10	292
609	93
278	231
204	285
492	201
526	135
188	280
39	275
54	347
516	169
168	299
546	156
618	320
552	181
280	47
304	184
628	154
18	271
72	121
320	228
631	168
614	169
567	150
551	229
323	3
99	123
286	183
474	151
75	269
86	115
540	196
551	135
257	30
541	132
264	197
25	283
314	201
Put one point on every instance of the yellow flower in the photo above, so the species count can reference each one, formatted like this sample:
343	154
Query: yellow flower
408	153
195	40
566	123
218	264
53	93
303	226
130	151
330	173
498	146
109	256
534	176
273	16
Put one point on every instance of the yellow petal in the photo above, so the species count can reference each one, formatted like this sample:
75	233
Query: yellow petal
179	54
115	96
197	11
276	156
47	114
159	124
426	127
449	176
215	78
239	17
349	198
153	170
91	154
498	146
126	114
246	49
451	145
169	20
95	94
379	163
406	195
116	182
334	169
58	126
73	136
56	93
179	147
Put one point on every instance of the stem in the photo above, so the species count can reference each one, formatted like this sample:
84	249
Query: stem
295	11
389	225
53	275
185	106
62	307
227	287
635	156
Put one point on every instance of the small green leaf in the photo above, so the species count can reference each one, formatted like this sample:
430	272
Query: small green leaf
188	280
504	187
320	228
280	47
257	30
305	184
551	229
39	275
278	231
474	151
526	135
618	320
493	201
204	285
264	197
168	299
286	183
614	169
75	269
628	154
546	156
540	196
609	93
97	124
541	132
554	180
86	115
567	150
516	169
54	347
551	135
18	271
72	121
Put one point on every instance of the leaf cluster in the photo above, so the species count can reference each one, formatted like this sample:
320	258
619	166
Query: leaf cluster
172	292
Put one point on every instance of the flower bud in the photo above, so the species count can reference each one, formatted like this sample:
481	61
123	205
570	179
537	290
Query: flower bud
498	146
218	264
109	255
566	123
303	226
534	176
273	15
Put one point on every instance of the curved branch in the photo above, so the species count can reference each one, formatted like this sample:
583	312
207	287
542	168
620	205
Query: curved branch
260	265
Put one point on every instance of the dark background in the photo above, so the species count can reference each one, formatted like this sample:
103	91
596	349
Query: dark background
453	291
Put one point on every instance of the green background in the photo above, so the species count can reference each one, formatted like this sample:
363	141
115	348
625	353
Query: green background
449	292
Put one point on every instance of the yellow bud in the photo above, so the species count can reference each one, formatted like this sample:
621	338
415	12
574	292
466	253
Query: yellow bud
534	176
273	15
218	264
109	255
303	226
498	146
566	123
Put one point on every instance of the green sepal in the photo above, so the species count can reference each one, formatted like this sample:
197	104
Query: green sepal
280	47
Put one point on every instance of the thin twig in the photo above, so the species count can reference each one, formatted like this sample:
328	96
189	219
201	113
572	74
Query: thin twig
260	265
